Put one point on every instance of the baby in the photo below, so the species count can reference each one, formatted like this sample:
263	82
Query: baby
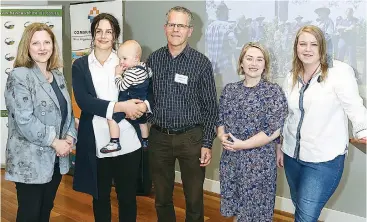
132	80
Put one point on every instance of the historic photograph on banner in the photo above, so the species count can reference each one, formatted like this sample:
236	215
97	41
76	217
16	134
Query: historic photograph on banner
231	24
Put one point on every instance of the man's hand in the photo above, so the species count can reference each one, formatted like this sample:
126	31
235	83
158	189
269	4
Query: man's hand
206	156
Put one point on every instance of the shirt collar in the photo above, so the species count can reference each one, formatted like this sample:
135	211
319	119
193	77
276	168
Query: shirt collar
187	50
93	59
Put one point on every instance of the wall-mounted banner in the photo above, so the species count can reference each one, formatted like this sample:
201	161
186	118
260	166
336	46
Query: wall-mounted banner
273	23
13	20
81	17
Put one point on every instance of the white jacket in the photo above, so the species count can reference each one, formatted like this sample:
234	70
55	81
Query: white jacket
327	106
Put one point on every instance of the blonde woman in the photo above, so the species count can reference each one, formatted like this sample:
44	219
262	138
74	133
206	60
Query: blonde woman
315	134
251	113
41	129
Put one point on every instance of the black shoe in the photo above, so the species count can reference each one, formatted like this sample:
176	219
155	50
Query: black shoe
111	147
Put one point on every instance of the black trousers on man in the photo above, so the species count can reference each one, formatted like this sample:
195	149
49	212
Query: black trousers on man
124	171
164	149
35	201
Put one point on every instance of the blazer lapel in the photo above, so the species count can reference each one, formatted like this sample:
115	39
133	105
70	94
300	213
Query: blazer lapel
45	85
89	77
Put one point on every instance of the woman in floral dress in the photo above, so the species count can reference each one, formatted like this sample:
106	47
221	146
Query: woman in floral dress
251	114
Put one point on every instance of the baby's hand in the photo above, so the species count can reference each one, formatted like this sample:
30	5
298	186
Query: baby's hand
119	70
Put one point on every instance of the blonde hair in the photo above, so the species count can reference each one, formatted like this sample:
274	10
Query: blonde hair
266	74
23	58
133	44
297	65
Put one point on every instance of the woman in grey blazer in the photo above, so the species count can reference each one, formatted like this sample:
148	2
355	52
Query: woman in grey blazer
41	124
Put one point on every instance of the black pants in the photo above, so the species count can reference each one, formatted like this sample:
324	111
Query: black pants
124	171
163	151
35	201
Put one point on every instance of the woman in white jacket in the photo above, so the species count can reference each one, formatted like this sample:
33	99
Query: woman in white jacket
315	134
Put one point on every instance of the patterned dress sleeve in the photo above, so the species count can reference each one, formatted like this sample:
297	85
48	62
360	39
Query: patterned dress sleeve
277	111
222	106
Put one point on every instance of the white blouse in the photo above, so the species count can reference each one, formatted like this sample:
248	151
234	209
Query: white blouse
327	106
103	78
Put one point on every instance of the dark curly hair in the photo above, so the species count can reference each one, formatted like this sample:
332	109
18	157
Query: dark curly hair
114	24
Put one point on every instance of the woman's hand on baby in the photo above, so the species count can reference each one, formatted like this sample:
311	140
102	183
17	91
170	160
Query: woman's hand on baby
131	108
143	107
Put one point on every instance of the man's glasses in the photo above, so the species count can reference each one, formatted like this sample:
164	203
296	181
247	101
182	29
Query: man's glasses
179	26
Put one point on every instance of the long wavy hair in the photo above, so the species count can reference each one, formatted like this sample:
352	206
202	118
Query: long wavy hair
297	65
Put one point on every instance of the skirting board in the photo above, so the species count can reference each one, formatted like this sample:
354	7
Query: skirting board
286	205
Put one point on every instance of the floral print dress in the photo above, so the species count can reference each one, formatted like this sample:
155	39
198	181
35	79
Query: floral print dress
248	177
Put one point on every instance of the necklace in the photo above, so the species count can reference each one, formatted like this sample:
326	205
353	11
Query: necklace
312	73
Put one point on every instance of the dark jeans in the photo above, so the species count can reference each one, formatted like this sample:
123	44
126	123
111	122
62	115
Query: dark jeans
124	171
134	92
311	185
163	151
35	201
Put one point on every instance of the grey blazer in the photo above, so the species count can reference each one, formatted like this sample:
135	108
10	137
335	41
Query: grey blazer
34	120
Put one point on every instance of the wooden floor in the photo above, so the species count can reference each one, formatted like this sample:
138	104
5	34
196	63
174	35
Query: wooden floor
71	206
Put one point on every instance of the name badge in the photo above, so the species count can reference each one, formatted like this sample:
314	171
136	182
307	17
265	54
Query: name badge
181	78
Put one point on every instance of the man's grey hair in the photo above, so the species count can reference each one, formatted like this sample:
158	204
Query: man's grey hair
183	10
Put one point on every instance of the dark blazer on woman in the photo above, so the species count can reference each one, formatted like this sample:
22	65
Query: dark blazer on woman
85	172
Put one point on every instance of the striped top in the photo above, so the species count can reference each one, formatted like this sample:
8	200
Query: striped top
184	91
133	76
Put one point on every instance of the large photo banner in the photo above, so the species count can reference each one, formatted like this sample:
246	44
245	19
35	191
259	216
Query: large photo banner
13	20
274	23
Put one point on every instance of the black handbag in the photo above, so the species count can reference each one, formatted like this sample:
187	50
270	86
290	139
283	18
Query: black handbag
144	183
